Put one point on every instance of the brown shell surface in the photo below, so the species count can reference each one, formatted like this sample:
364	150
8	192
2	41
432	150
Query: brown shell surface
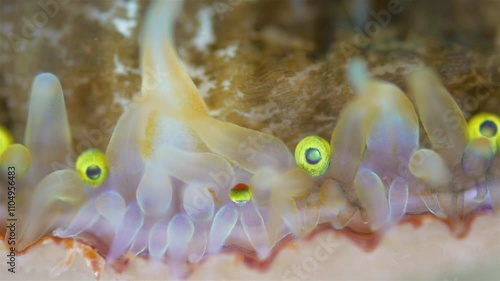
275	66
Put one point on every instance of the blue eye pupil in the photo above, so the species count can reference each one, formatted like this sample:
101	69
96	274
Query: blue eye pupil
313	156
488	129
93	172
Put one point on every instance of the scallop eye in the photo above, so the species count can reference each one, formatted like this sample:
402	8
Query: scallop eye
5	139
313	155
486	125
488	129
240	194
92	167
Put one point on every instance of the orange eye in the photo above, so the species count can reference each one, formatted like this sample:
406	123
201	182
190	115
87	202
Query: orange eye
240	194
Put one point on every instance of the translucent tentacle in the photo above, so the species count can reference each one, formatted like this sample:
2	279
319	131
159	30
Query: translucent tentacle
140	243
47	135
481	190
125	168
372	196
255	229
198	167
198	203
83	220
348	141
111	206
247	148
18	156
158	241
262	183
394	134
286	210
452	203
429	167
493	182
432	204
126	231
398	199
180	232
224	221
310	214
344	217
57	197
296	183
380	123
476	162
440	115
162	72
395	131
332	196
154	193
477	157
198	248
357	73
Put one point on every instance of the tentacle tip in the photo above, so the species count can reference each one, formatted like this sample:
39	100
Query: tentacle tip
45	80
357	72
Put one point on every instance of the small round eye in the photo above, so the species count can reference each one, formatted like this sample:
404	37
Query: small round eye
313	155
240	194
488	129
92	167
486	125
5	139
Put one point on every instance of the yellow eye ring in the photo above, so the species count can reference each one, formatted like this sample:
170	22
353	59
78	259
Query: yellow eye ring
312	154
5	139
486	125
92	167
